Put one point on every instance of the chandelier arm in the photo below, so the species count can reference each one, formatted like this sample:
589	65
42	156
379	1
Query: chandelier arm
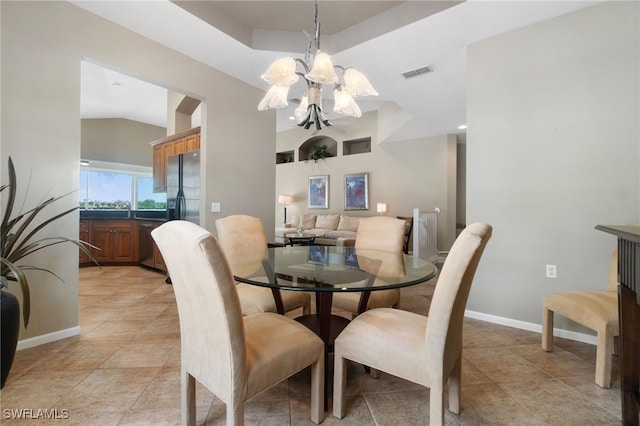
304	65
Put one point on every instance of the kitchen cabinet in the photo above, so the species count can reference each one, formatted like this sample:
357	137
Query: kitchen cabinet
85	236
160	155
157	256
165	148
117	240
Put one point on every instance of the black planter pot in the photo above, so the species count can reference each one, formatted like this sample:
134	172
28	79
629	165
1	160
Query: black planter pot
9	330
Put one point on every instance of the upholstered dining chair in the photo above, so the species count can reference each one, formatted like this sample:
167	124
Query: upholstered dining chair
245	234
424	350
408	230
596	310
376	233
235	357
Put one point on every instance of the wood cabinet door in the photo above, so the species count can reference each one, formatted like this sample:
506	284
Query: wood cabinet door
180	146
159	169
191	142
117	240
158	260
161	153
123	248
84	235
101	238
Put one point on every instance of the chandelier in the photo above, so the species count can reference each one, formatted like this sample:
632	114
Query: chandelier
318	71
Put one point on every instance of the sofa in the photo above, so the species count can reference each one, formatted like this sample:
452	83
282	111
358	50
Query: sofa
329	229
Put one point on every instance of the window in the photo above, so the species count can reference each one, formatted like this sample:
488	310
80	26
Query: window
112	189
146	199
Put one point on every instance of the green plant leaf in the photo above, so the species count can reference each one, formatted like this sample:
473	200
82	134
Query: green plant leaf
18	240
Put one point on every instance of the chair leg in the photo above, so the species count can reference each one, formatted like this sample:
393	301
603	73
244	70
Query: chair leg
455	383
317	389
188	385
235	412
547	329
436	403
374	373
339	385
603	358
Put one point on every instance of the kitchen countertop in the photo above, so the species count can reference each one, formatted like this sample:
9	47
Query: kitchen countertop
152	216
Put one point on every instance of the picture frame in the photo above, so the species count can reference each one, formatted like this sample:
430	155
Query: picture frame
318	255
356	191
318	192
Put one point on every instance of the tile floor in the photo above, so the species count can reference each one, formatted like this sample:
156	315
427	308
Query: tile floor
123	369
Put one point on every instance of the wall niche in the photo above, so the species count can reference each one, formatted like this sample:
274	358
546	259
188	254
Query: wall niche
307	146
356	146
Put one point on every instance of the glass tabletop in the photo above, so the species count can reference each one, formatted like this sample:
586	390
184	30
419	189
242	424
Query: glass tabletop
328	269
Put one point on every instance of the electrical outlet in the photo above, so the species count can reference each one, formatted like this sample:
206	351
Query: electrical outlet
552	271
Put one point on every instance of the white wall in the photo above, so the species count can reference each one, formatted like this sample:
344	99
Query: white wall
553	149
118	140
43	44
418	173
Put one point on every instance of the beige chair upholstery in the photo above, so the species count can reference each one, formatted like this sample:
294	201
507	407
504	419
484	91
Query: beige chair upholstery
245	235
424	350
596	310
235	357
408	230
379	233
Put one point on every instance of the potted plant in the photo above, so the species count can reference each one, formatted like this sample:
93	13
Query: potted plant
319	152
20	238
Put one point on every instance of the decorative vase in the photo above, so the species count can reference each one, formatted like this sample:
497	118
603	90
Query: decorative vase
9	331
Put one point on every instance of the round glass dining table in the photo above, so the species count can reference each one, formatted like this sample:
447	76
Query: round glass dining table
325	270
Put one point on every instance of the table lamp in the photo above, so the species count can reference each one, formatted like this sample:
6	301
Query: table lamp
284	199
382	208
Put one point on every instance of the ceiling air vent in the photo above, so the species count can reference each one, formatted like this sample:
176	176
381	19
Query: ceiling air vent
418	71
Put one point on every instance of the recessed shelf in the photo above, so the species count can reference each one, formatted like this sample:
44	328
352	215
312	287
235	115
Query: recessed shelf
284	157
356	146
307	146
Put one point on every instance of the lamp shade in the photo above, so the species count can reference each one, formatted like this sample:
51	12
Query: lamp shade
284	199
382	208
276	97
301	112
322	71
357	84
344	103
281	73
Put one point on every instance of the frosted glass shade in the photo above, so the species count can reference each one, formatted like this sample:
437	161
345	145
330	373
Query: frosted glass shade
276	97
322	71
301	111
344	103
357	84
281	73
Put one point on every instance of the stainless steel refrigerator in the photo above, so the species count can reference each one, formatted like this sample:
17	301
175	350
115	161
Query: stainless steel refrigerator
183	187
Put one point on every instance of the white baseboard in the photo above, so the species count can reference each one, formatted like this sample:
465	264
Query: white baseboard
48	338
522	325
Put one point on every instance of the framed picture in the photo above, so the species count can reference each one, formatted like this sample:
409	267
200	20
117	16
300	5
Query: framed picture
319	192
356	191
318	255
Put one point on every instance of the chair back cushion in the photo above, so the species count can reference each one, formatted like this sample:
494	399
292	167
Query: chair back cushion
384	233
446	313
211	327
243	241
240	233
